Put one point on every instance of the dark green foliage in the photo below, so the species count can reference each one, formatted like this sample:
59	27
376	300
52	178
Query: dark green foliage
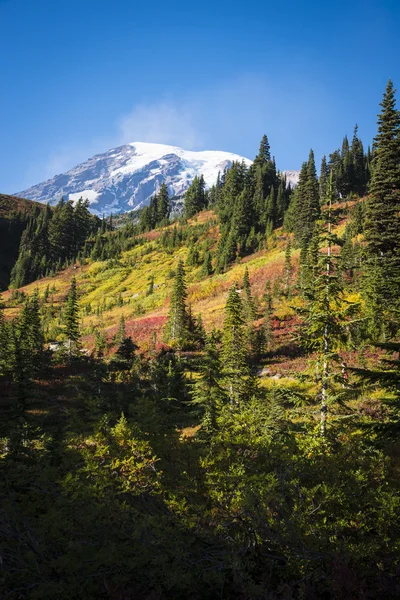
170	473
178	322
53	239
71	319
207	391
195	197
126	350
382	223
306	201
15	214
158	211
234	349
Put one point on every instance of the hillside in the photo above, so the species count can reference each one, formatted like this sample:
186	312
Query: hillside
119	287
14	215
208	406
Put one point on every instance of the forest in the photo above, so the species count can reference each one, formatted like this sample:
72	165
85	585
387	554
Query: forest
205	403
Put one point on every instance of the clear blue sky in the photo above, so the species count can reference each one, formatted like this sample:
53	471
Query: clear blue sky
79	77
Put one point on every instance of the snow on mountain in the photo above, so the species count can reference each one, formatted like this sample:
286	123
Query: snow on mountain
125	178
292	177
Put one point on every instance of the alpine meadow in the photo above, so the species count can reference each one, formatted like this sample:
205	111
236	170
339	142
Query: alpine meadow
199	353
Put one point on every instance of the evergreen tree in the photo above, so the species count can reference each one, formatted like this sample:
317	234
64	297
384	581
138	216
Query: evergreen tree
326	322
207	268
121	335
249	313
264	153
359	165
177	327
207	390
323	178
30	335
163	206
126	351
288	268
71	319
195	197
234	350
382	226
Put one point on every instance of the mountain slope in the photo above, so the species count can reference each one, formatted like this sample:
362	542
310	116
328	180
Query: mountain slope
14	215
126	177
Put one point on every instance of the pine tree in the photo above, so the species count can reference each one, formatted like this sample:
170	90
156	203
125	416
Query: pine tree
249	313
150	289
323	178
234	351
264	153
359	163
121	335
126	351
382	226
71	319
30	334
207	390
325	322
162	204
177	327
207	268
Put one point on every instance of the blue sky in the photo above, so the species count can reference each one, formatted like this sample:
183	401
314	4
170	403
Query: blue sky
79	77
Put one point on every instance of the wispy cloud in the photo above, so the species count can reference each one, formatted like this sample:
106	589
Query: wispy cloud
166	122
231	116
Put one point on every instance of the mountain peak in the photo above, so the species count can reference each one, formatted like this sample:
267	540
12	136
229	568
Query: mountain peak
126	177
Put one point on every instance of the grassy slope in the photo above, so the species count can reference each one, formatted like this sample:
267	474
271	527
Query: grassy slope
103	282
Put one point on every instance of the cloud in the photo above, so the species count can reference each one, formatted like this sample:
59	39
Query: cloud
232	116
166	122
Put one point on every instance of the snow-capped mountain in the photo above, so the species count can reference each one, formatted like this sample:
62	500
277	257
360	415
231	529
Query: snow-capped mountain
125	178
292	177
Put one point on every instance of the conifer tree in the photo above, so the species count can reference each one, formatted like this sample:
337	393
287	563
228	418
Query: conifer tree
382	225
323	178
207	390
326	312
30	334
234	351
162	204
207	268
121	335
264	153
177	327
195	198
71	319
249	313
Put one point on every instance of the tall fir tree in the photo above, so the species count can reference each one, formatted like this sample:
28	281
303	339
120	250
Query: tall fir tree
71	319
207	390
177	326
234	349
382	223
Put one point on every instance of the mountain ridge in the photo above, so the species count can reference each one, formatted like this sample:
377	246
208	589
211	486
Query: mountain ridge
126	177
